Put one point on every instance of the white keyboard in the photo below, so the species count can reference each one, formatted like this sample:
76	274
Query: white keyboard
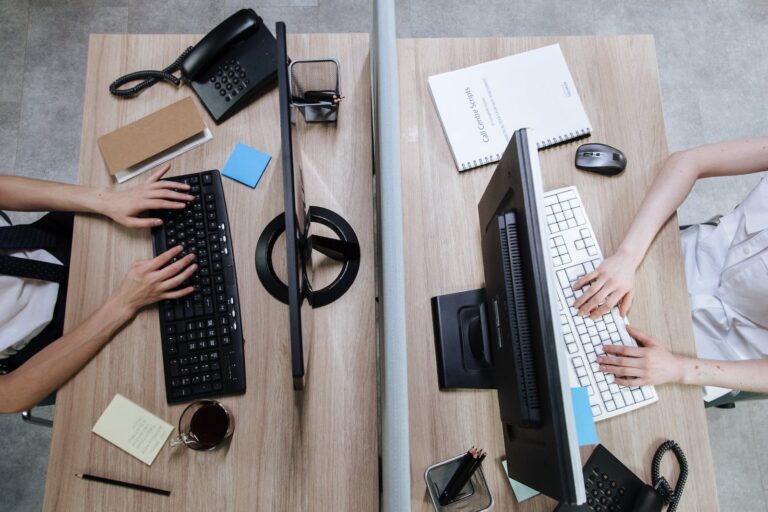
575	252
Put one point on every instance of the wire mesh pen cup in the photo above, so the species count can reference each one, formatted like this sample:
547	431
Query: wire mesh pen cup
315	89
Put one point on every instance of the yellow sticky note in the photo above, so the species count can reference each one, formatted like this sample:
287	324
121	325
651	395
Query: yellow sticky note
133	429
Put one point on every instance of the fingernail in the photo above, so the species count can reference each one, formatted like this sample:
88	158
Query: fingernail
158	222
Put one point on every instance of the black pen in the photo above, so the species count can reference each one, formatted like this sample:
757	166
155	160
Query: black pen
129	485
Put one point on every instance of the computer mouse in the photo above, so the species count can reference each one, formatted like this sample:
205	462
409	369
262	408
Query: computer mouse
600	158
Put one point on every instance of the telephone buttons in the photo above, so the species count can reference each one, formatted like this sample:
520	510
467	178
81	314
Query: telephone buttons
221	92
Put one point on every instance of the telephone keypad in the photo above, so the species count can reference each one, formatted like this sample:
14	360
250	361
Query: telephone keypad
229	79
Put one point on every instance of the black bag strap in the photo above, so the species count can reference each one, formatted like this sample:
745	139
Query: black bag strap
27	236
33	269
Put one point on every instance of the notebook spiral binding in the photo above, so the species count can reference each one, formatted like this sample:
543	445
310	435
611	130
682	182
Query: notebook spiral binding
480	161
563	138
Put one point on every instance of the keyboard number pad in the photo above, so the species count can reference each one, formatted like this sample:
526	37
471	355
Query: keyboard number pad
563	211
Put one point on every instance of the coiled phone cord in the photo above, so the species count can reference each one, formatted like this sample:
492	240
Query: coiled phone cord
660	484
150	77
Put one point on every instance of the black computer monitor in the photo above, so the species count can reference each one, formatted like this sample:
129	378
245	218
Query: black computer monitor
508	335
530	363
296	221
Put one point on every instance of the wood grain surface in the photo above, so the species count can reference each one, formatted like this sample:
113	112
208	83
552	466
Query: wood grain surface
291	451
617	79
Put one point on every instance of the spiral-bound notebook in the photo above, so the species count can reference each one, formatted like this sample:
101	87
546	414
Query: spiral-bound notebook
481	106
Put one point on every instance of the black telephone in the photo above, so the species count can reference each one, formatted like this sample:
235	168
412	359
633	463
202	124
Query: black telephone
612	486
230	67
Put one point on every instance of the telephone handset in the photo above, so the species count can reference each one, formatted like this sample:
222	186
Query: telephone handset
230	67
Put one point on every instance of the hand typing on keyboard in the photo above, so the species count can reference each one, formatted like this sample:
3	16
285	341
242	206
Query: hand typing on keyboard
126	206
611	284
648	363
149	281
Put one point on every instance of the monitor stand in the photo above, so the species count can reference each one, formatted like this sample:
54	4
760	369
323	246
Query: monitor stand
345	250
463	341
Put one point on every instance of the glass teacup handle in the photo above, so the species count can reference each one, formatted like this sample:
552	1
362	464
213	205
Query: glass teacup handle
183	438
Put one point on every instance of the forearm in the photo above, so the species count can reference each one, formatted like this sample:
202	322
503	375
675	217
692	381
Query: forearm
668	190
27	194
748	375
50	368
676	179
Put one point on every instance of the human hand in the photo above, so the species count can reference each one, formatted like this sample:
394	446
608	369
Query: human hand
612	283
649	363
125	206
149	281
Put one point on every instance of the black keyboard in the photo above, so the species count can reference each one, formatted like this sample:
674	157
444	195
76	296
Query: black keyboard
201	333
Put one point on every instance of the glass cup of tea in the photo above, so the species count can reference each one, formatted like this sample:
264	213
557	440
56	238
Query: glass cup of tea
204	425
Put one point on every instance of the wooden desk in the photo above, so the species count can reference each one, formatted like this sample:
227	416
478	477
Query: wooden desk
314	450
618	82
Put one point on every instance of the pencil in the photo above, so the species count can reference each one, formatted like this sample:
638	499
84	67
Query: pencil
460	477
129	485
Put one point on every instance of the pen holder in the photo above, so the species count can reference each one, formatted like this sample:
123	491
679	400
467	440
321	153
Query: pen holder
474	497
315	89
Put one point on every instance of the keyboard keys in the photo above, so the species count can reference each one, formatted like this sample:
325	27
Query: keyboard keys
574	252
196	326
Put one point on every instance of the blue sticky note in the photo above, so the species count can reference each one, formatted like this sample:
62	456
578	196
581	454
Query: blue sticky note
246	165
522	491
582	411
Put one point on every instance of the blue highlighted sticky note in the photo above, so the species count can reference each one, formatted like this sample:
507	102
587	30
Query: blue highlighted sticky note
582	411
522	491
246	165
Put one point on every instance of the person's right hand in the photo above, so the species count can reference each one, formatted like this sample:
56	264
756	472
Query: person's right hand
612	283
149	281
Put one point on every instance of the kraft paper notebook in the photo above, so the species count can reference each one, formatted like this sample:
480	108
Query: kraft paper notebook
481	106
153	139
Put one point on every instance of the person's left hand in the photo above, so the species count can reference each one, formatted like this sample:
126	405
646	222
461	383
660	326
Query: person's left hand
648	363
125	206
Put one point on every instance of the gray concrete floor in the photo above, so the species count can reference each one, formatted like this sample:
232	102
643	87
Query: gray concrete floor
713	71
